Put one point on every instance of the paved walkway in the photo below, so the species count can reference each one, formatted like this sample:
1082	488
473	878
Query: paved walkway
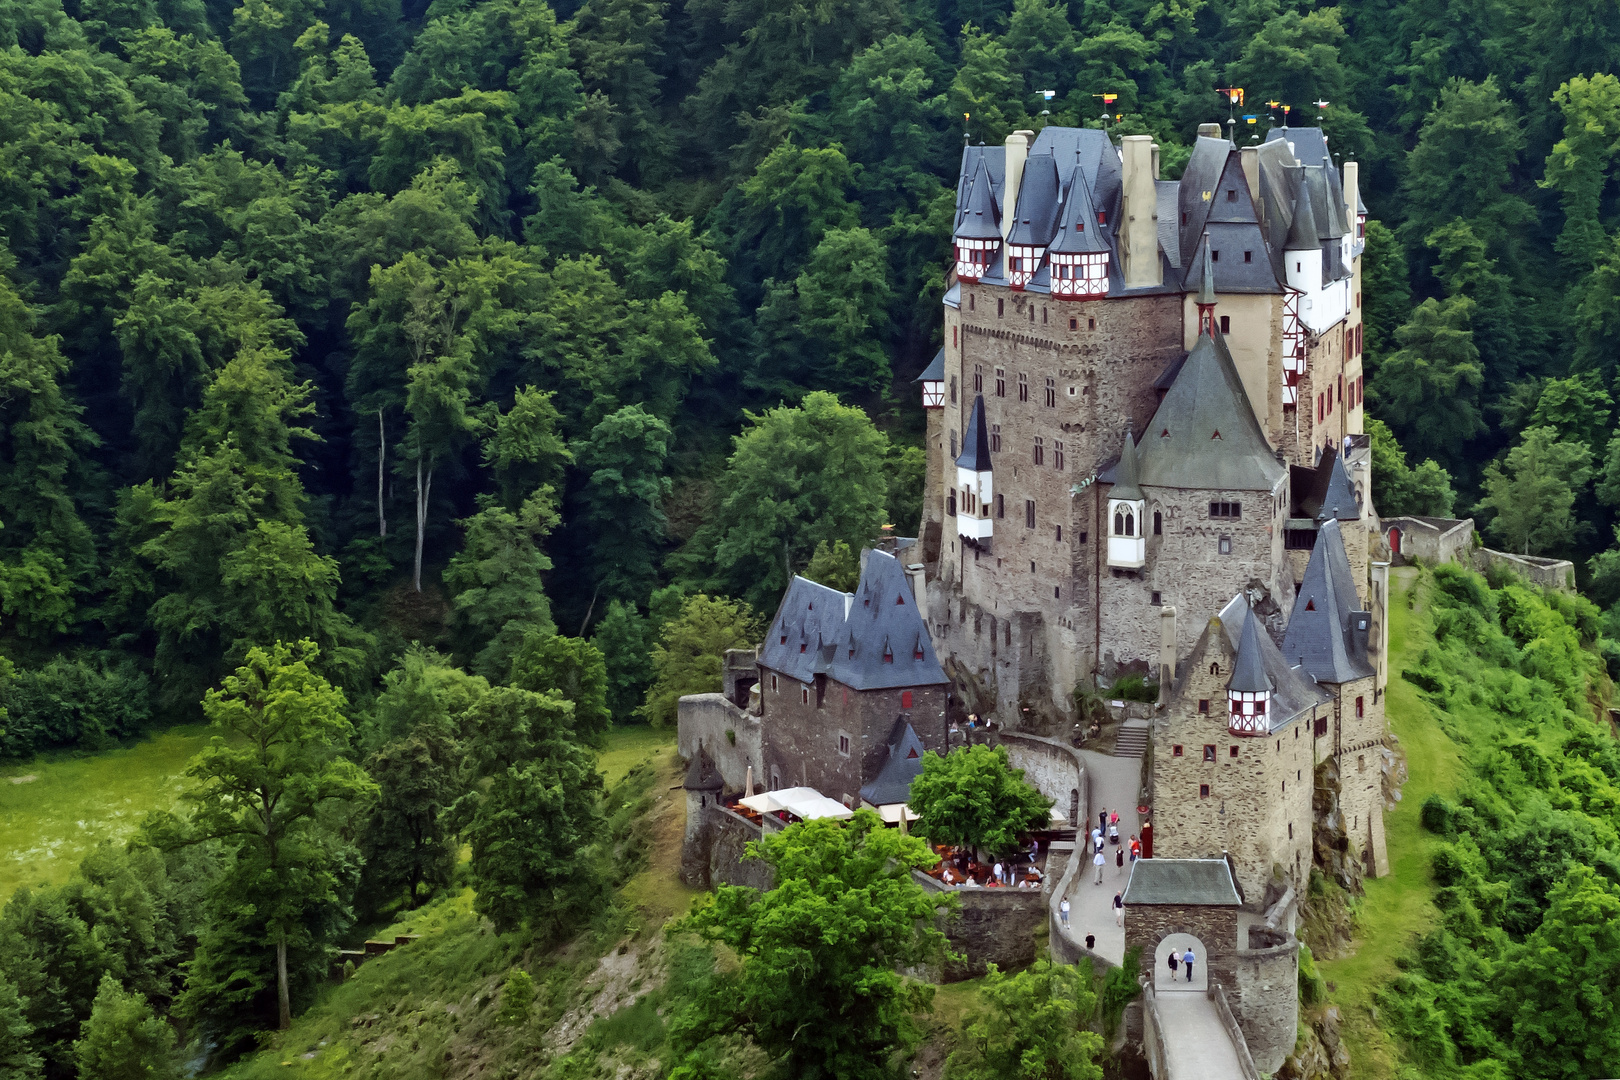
1115	784
1196	1045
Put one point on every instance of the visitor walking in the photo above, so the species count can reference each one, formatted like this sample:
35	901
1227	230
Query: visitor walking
1119	909
1113	818
1187	961
1174	960
1136	848
1119	860
1102	820
1113	835
1063	912
1034	849
1096	840
1098	863
998	872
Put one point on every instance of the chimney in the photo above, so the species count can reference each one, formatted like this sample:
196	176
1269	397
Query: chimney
1167	651
1250	158
1139	232
1352	195
1017	154
1209	131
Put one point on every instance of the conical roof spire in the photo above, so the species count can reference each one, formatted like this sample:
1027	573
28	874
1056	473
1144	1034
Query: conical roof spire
1206	284
1125	486
975	453
980	218
1249	672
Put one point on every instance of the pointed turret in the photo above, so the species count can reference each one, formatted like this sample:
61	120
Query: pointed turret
975	489
1206	291
1080	251
1248	692
1326	632
1127	540
978	231
1035	221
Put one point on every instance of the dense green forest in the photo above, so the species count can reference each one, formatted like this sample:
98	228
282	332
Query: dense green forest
415	391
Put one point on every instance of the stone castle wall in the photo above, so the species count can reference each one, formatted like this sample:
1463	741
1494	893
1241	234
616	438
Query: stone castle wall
1056	769
729	834
1255	805
992	926
806	726
1264	995
733	738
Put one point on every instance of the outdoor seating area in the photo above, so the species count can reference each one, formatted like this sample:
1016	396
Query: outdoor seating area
792	804
959	868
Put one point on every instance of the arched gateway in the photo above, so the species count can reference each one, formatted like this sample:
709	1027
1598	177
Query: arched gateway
1176	902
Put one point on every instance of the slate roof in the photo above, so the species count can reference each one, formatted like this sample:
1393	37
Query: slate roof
1249	669
1324	490
935	371
1204	433
1123	474
1308	145
1036	218
903	765
994	159
701	774
980	217
975	453
1200	179
868	640
1293	692
1322	635
1079	232
1166	194
1186	882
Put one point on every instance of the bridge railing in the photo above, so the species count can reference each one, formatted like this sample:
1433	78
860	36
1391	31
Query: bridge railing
1217	994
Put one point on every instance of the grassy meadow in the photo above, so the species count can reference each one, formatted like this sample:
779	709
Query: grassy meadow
1400	906
56	808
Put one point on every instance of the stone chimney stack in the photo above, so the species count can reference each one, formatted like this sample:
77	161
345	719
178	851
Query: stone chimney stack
1352	195
1017	154
1139	231
1210	131
1249	156
1167	651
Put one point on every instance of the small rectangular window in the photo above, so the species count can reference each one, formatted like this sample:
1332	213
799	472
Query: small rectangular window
953	337
1001	307
843	745
978	378
774	687
1091	323
995	438
1231	194
1001	506
1051	393
804	695
1203	791
1057	456
1224	545
1225	510
1001	382
1209	751
1226	324
953	444
1029	513
905	699
1214	255
1039	451
953	389
1074	324
1155	600
1248	256
1060	534
1231	751
1175	751
1203	706
1360	708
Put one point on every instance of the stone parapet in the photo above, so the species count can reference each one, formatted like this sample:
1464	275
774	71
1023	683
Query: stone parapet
991	926
733	737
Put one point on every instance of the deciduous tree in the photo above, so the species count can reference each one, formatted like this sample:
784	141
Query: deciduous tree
974	797
1034	1024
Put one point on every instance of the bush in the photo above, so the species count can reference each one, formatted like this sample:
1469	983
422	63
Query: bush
1134	688
1438	815
89	703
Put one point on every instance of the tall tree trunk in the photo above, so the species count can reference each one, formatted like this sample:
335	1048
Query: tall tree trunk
382	453
283	1000
423	491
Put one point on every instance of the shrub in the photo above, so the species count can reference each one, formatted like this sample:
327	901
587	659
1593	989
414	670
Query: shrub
90	703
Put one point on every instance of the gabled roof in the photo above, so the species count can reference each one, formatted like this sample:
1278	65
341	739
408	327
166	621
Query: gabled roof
975	453
1204	434
1079	232
1249	670
1036	218
1303	232
1308	145
1090	149
1321	634
1182	882
1200	179
872	639
980	218
903	765
935	371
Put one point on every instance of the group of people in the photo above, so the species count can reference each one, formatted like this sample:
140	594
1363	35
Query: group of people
1100	842
1008	873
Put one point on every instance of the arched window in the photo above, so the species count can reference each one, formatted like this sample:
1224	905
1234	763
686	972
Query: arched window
1158	523
1130	524
1119	523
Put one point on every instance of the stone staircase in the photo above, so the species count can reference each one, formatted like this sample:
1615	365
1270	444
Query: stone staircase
1133	739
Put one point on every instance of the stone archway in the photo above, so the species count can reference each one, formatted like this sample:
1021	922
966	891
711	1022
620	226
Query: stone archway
1180	942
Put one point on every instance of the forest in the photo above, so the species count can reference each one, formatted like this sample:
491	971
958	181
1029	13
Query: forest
416	391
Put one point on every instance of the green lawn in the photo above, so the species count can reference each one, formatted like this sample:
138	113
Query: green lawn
1401	905
628	747
54	809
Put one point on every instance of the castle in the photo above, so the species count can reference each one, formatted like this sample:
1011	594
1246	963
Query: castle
1145	457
